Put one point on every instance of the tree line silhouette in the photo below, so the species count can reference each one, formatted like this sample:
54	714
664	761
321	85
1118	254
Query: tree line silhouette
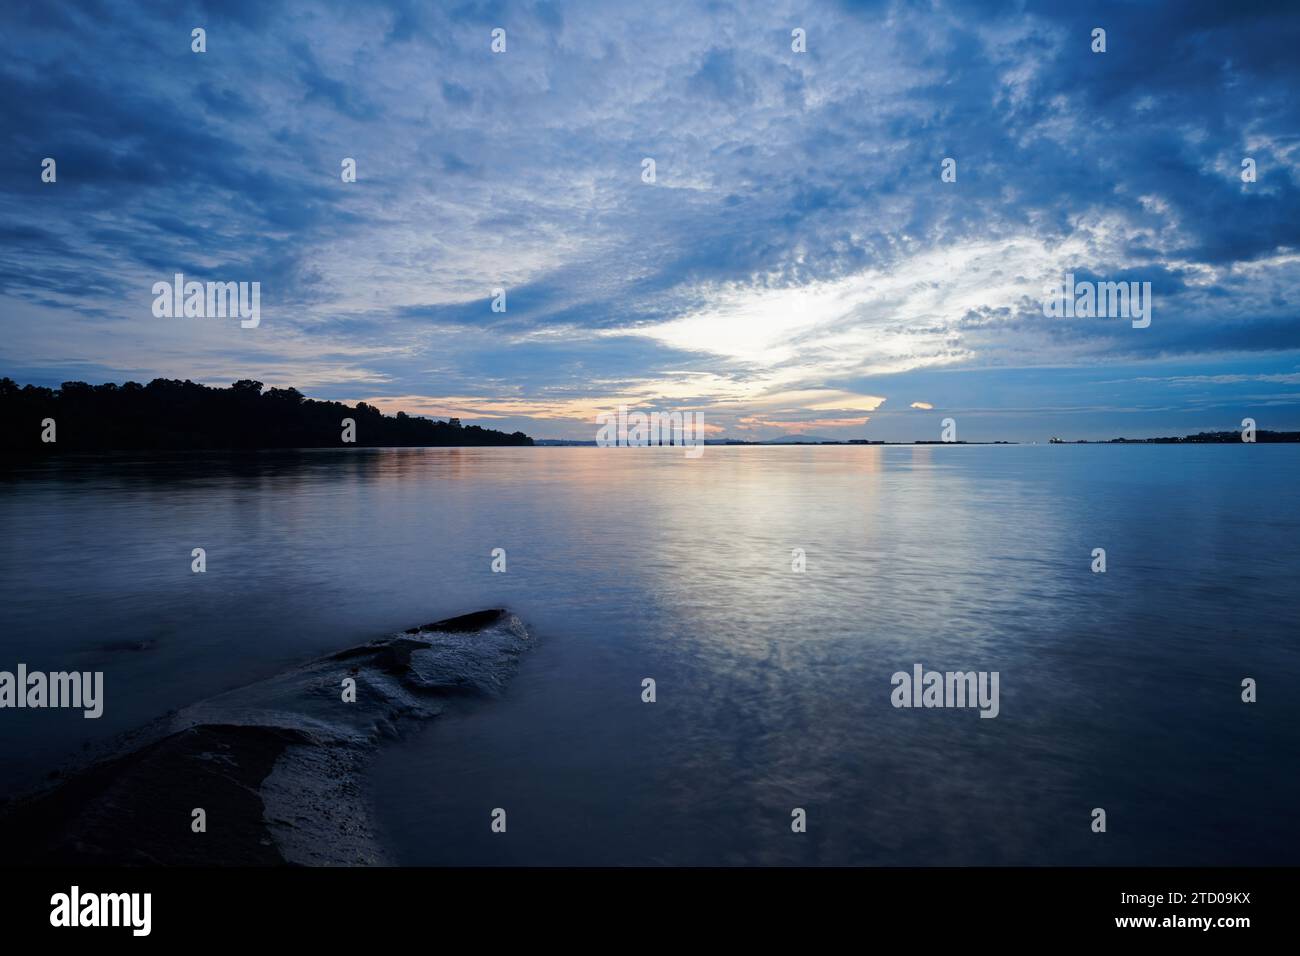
171	414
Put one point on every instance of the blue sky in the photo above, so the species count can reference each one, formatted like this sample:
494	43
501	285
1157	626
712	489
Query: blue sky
797	266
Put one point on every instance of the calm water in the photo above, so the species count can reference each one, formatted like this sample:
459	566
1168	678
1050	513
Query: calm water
1118	690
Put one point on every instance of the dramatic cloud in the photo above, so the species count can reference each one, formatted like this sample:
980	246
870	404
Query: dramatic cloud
797	265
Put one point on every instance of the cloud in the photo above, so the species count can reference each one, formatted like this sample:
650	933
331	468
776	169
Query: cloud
797	247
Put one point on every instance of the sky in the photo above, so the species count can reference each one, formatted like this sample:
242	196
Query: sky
799	265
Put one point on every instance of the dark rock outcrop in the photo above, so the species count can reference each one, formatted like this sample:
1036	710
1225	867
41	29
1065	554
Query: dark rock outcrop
275	766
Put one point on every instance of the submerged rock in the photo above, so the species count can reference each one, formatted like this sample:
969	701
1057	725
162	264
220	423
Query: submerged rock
275	765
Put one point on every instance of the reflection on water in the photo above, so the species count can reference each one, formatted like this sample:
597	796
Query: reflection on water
1118	690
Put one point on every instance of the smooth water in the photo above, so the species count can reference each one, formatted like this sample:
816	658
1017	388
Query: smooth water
1119	690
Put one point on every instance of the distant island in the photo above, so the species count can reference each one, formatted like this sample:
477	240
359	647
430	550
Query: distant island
168	414
1200	438
1203	438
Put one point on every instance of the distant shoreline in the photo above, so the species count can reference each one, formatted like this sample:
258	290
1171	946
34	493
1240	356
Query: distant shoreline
1203	438
19	456
173	415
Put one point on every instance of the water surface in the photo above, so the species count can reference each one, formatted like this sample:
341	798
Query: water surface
1118	690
